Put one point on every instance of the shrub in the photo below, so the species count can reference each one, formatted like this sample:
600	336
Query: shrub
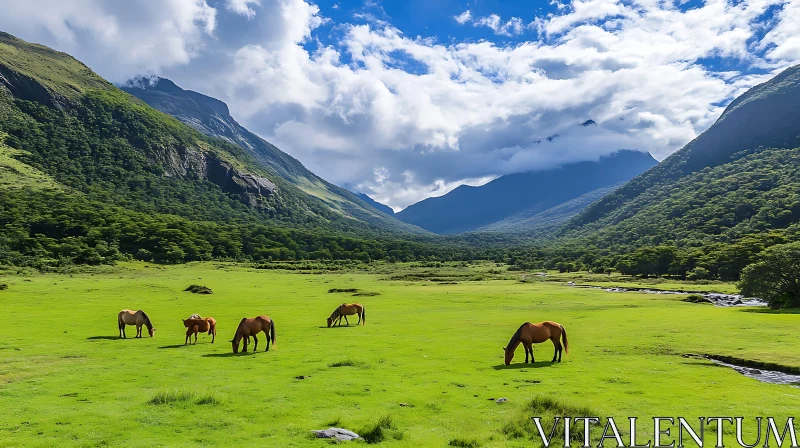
696	298
462	443
198	289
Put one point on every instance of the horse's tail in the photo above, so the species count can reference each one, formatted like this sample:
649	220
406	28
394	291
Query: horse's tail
272	333
212	326
564	338
364	315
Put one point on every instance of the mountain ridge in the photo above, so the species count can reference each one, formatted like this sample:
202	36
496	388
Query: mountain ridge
211	116
468	208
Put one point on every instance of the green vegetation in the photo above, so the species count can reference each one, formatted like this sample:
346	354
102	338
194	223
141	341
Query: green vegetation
92	175
775	277
429	359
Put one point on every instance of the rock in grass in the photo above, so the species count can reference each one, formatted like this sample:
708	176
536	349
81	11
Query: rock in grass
198	289
336	433
501	400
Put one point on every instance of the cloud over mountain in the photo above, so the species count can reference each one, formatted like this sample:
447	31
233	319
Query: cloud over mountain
405	117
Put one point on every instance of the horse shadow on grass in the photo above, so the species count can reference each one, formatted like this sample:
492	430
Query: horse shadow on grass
522	365
108	338
337	326
230	355
173	346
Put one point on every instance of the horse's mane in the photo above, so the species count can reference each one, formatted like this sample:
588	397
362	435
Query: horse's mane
515	338
239	328
337	311
147	320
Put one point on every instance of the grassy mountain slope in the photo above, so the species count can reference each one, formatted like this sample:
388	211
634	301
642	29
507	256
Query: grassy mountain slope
469	208
211	116
533	223
375	204
767	116
129	180
751	194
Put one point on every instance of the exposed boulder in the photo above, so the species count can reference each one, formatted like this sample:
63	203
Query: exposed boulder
336	433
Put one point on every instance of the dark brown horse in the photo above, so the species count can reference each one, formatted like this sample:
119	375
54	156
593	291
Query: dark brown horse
251	327
194	326
529	334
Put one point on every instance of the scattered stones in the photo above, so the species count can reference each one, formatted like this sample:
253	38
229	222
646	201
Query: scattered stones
405	405
716	298
501	400
336	433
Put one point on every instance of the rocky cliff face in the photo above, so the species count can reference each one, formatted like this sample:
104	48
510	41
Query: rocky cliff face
185	162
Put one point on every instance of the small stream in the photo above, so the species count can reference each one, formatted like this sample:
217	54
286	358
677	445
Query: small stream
716	298
766	376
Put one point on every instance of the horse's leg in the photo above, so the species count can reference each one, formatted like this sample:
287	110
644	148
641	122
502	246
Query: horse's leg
557	348
530	347
526	352
348	322
266	336
255	346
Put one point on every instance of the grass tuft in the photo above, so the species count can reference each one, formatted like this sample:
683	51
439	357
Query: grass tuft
207	400
199	289
171	397
547	408
378	432
463	443
345	363
335	290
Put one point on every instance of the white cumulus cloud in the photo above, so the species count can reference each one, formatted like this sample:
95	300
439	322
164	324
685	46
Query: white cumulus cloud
407	117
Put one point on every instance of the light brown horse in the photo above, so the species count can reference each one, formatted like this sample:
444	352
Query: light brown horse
529	334
251	327
138	318
193	326
347	309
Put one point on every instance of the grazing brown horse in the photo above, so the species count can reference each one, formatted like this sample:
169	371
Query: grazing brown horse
251	327
529	334
193	326
138	318
347	309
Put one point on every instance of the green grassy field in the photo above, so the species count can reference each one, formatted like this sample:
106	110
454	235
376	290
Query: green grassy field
429	358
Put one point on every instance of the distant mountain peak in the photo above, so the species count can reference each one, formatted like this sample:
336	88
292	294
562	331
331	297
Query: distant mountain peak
466	209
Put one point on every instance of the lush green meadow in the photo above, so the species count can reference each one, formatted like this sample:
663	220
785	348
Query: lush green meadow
429	358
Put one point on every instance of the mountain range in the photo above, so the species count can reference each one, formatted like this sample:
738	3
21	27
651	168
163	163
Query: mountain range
515	197
211	116
91	173
739	177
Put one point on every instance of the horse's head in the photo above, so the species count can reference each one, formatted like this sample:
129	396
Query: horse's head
509	355
330	321
235	345
152	331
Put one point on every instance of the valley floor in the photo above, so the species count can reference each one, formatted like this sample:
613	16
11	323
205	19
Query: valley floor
429	357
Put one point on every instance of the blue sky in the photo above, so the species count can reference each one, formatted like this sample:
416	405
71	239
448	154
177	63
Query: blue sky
405	100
